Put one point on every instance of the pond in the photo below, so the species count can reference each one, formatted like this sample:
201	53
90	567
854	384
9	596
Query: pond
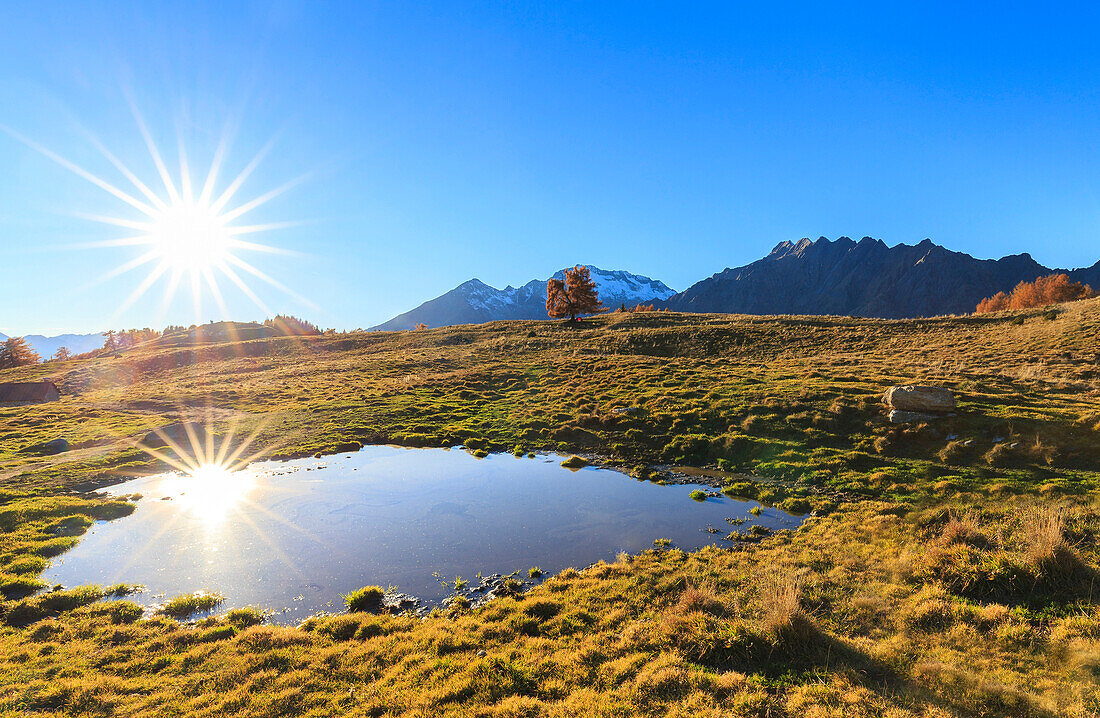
292	536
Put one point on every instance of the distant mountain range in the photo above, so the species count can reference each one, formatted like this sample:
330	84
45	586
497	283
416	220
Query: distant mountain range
76	343
864	278
475	302
842	277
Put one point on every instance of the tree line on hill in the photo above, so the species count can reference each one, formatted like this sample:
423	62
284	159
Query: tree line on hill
16	352
1051	289
570	298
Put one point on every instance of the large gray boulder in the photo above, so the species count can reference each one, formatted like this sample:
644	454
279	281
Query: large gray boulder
917	398
51	447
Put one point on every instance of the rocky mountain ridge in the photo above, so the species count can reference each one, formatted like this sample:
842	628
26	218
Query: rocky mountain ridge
76	343
865	278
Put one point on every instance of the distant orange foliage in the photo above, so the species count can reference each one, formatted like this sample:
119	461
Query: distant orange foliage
639	308
1052	289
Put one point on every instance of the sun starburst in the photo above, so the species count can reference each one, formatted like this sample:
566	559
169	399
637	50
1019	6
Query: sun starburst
183	235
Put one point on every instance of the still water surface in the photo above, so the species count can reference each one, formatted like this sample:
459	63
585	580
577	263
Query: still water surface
292	536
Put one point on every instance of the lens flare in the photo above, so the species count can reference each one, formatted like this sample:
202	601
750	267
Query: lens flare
212	478
210	492
184	236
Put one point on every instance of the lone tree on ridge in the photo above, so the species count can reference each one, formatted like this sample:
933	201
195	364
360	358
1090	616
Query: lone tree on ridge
575	296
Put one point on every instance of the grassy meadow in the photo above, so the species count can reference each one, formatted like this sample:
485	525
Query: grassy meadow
946	569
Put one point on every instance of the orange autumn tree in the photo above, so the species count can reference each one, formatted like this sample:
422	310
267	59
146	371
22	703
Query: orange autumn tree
1052	289
574	296
15	351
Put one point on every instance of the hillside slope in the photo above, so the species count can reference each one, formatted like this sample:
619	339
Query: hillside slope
948	568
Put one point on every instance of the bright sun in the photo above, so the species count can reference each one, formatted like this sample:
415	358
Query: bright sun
187	233
190	237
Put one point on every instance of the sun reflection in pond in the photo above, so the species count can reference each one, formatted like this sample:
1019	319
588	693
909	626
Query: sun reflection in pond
213	479
210	492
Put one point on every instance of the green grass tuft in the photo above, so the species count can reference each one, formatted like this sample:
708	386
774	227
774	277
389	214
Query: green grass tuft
190	604
367	598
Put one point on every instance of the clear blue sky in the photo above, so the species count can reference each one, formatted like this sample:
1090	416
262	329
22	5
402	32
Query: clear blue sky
506	140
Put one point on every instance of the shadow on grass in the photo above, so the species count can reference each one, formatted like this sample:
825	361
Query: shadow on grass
801	648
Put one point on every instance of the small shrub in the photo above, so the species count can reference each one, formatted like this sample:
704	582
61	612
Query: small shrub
1001	456
339	628
954	452
1043	530
541	608
780	600
242	618
367	598
964	529
702	598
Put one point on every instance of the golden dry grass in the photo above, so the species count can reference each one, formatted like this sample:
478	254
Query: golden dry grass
943	576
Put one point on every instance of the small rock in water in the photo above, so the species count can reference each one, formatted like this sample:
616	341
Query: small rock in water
401	602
